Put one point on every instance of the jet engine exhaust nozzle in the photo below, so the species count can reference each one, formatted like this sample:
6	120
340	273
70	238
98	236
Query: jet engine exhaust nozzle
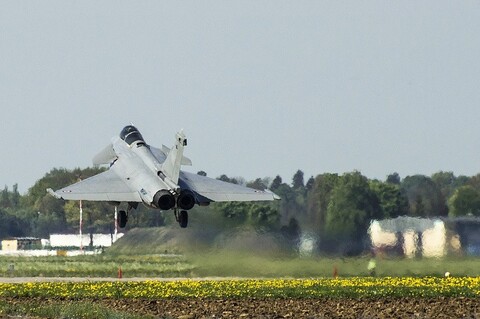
186	200
164	200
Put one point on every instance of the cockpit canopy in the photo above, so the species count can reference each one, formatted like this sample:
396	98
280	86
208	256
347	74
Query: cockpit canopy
130	134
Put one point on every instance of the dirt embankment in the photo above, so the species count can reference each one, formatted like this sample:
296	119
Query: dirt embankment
287	308
304	308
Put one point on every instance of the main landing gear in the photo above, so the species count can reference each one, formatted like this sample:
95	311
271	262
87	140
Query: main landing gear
123	216
181	217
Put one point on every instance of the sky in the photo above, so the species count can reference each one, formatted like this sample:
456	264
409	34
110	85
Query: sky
261	88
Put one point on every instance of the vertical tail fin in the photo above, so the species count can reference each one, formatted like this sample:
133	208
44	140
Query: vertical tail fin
171	166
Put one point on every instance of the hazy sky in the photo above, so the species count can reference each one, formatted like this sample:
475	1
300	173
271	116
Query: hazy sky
260	87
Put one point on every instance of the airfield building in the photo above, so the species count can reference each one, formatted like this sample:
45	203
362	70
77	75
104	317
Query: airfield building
21	243
424	237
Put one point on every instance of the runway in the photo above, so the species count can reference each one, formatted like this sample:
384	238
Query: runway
19	280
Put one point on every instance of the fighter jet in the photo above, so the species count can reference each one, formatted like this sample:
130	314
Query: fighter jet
140	173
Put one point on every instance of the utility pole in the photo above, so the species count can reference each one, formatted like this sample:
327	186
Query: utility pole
116	224
81	222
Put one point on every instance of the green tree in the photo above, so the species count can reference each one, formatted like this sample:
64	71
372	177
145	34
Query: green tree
257	184
318	200
256	215
287	205
446	182
418	208
352	206
30	221
15	196
55	179
292	232
263	216
277	181
393	200
424	196
5	198
297	180
145	217
51	211
393	178
464	201
227	179
233	210
293	201
97	216
51	216
11	225
49	224
310	183
474	181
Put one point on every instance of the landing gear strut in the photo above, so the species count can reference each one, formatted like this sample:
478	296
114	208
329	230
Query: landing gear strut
123	216
181	217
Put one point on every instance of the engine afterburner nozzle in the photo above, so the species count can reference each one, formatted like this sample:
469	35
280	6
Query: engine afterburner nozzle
164	200
186	200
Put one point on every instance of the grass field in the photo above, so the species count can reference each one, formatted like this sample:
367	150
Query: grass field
72	309
96	266
247	265
205	261
228	264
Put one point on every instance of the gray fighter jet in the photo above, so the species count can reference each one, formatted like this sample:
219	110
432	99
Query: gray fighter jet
140	173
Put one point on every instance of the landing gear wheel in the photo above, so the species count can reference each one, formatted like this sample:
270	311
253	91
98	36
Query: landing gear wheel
183	218
122	218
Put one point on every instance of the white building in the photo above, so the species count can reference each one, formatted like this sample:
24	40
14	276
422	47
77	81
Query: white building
74	240
410	236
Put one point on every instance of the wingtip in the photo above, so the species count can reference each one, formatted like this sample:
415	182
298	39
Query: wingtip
275	196
53	193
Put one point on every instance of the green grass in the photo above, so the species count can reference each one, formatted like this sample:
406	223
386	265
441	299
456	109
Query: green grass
221	263
206	261
96	266
249	265
62	309
141	253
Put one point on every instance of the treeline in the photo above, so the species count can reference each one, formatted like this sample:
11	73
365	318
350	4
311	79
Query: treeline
335	209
